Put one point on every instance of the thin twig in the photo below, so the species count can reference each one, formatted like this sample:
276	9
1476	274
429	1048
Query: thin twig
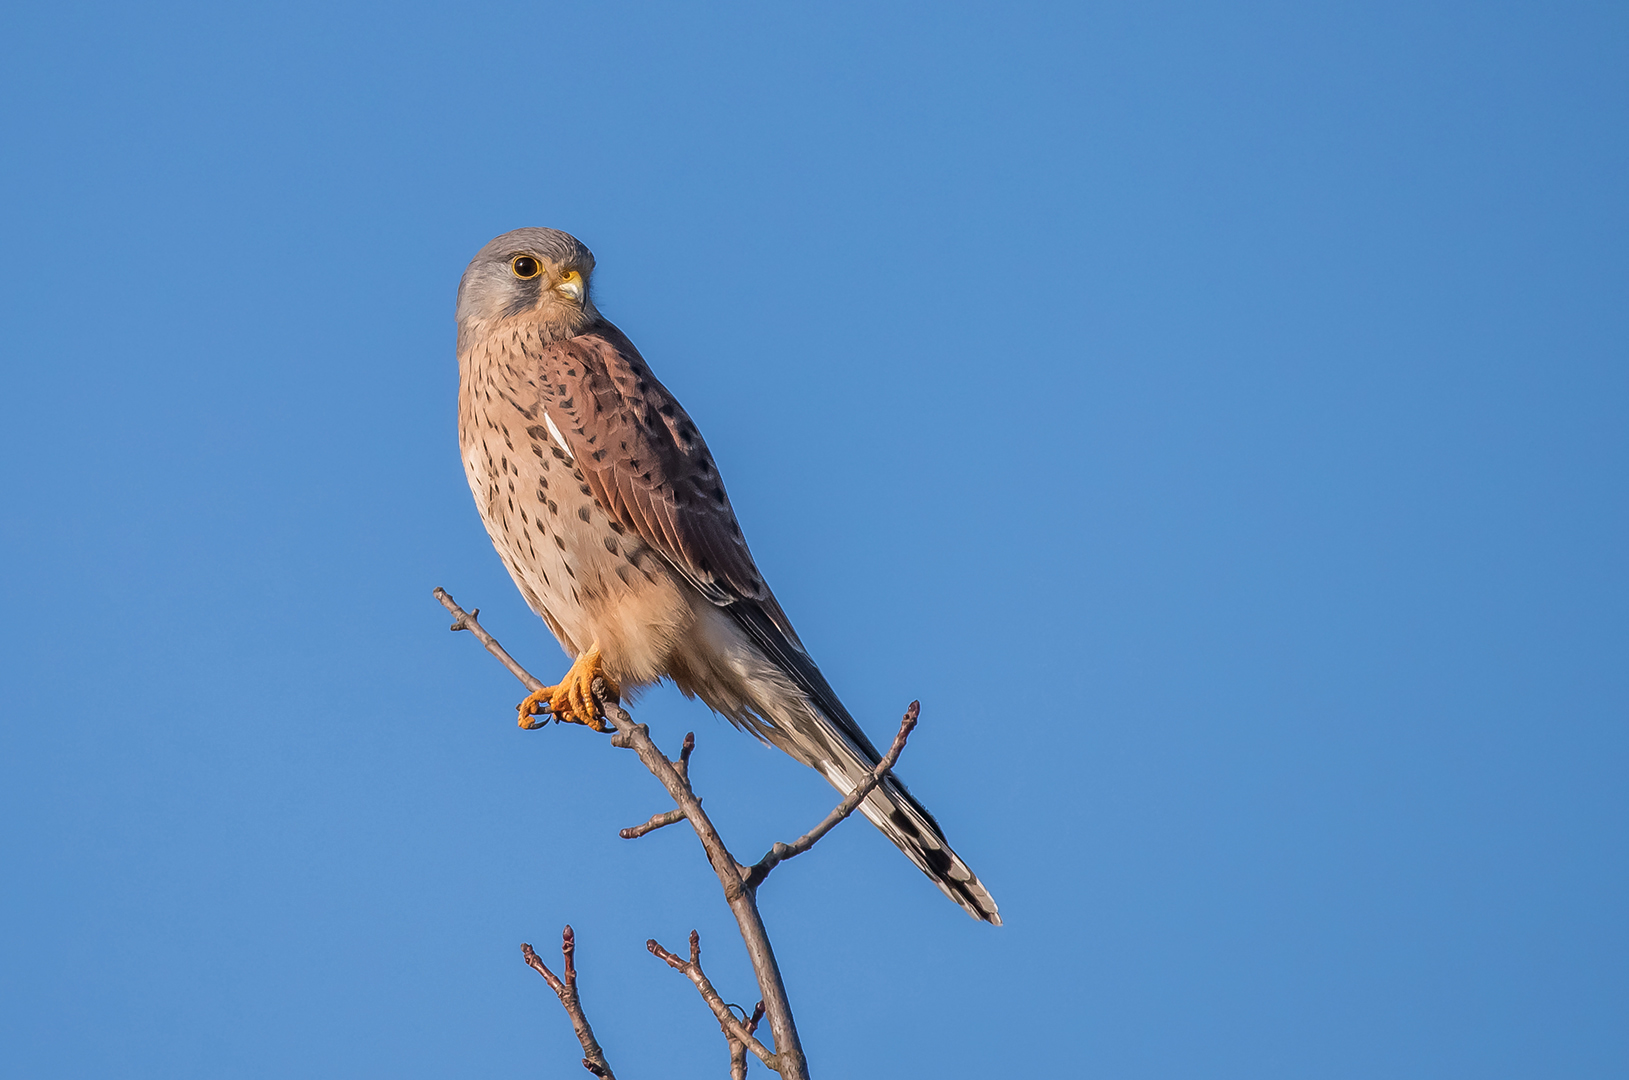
670	817
781	852
657	821
738	1049
734	1029
566	989
682	766
464	620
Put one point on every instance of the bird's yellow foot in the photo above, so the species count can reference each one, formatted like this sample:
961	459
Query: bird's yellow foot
572	701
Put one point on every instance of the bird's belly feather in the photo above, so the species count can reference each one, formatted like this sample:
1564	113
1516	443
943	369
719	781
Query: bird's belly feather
591	581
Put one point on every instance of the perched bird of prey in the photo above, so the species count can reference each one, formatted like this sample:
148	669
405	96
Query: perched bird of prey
609	512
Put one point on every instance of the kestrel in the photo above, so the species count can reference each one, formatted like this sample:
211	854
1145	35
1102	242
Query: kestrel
609	512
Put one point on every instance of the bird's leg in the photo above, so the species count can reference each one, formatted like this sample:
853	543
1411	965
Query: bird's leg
572	700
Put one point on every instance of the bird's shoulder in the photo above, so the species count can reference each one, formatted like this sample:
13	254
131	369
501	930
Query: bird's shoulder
646	459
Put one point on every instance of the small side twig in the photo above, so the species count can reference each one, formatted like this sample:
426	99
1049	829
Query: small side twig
566	989
781	852
671	817
682	766
657	821
463	620
738	1049
734	1029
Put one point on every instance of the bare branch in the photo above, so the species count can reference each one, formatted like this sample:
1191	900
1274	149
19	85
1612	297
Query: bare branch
657	821
464	620
670	817
566	989
742	898
636	737
781	852
734	1029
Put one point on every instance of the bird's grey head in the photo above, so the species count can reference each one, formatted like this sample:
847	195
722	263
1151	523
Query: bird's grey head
543	274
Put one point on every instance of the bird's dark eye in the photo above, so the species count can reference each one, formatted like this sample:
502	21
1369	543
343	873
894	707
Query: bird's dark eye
525	266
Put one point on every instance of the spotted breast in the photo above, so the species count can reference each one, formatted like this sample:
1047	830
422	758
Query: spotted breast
588	576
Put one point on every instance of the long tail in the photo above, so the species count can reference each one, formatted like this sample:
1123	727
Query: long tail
895	811
812	726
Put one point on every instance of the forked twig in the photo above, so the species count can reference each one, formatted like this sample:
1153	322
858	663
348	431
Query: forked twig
670	817
734	1029
566	989
738	1049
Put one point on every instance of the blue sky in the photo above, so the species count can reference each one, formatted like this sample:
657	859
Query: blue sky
1215	414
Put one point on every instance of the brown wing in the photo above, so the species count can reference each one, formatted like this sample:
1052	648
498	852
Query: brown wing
647	464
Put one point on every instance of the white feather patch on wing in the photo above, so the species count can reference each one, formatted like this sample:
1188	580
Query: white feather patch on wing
555	432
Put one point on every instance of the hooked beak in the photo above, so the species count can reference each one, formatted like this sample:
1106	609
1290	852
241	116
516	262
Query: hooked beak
571	285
